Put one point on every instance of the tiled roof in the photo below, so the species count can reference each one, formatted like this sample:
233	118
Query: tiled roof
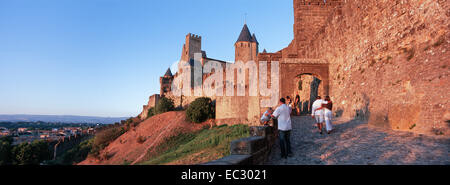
245	35
168	72
254	38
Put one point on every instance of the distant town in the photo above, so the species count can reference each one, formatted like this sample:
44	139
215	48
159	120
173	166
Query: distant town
22	132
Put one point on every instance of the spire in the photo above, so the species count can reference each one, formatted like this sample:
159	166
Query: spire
254	38
245	35
245	18
168	73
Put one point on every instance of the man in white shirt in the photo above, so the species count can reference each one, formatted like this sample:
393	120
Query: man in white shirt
283	115
317	113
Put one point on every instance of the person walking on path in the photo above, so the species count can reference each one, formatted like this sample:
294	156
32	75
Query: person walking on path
283	115
317	113
327	107
297	105
289	102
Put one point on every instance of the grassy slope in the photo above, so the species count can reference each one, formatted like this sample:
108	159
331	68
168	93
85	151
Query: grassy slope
209	142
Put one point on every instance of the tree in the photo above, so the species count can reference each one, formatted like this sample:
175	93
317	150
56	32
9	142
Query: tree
5	150
31	154
78	153
105	137
151	112
201	110
41	150
164	105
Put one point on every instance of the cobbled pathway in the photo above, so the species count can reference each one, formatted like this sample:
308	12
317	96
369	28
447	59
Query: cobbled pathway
356	143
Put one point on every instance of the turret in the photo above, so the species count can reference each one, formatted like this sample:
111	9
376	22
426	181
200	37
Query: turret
193	45
166	83
246	47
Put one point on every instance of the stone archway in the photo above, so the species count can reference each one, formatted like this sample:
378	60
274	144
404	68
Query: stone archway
308	87
317	74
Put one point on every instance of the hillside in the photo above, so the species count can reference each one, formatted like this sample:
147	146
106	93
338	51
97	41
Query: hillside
197	147
135	145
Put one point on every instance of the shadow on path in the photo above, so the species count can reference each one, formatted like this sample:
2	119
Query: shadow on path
355	143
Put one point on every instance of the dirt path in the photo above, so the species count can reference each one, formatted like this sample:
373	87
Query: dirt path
355	143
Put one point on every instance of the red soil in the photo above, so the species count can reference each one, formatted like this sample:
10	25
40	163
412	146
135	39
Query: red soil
127	150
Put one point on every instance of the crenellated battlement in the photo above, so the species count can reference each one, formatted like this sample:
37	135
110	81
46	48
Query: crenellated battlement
194	37
193	45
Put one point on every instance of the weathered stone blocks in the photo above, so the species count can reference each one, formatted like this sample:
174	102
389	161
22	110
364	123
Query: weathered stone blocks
252	150
248	145
261	131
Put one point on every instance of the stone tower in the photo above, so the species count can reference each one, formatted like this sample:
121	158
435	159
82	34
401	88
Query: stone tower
310	16
193	45
246	47
165	83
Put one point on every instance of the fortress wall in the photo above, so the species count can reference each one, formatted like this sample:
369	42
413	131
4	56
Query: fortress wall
153	100
310	16
61	146
238	110
186	100
389	63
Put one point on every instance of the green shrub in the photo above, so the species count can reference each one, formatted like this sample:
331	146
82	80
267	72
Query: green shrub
151	112
104	137
107	134
200	110
126	162
5	150
31	154
130	123
78	153
164	105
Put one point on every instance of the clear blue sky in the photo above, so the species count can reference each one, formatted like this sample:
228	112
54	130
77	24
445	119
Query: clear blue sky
104	57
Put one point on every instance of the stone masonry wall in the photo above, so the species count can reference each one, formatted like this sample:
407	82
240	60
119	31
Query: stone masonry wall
389	63
152	101
253	150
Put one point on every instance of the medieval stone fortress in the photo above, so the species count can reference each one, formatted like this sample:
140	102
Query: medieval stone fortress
385	62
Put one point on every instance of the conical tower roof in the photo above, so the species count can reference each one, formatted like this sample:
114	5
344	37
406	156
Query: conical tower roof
168	73
254	38
245	35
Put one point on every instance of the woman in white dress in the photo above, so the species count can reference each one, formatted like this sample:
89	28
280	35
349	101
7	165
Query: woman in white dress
327	107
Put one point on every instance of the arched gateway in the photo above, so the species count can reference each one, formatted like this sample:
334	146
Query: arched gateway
306	80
